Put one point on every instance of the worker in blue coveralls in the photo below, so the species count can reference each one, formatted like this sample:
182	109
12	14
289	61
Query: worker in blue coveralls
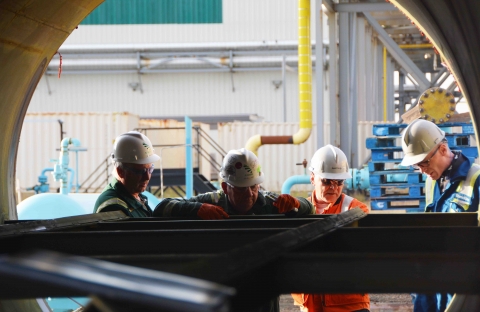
452	185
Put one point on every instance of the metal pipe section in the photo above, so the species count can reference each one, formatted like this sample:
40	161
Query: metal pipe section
188	158
291	181
145	65
178	47
319	74
305	86
344	81
61	168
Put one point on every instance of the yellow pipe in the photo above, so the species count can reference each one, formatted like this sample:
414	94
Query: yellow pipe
416	46
304	72
304	86
384	84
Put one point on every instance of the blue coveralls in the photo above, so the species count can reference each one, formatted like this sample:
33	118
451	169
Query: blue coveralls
451	200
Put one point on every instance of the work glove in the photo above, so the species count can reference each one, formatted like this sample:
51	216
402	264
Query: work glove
211	212
286	203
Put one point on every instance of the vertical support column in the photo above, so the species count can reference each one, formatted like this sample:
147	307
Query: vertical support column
188	158
369	76
284	88
379	81
352	103
390	90
361	65
319	72
333	78
344	90
401	93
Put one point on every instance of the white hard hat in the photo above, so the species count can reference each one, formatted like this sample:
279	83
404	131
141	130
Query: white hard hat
418	139
329	162
135	148
241	168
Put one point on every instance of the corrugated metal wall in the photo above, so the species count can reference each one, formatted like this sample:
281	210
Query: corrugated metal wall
169	143
246	20
40	142
171	95
113	12
279	161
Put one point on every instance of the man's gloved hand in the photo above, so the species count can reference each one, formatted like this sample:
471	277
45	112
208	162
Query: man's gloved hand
211	212
286	203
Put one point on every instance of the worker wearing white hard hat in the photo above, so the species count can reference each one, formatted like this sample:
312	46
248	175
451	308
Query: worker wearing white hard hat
328	172
452	183
241	176
133	157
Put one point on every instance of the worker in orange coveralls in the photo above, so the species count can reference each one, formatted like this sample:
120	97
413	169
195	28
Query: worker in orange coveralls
329	169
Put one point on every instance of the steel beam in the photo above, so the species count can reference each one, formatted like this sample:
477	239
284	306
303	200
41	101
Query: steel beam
385	246
64	275
375	272
319	74
363	7
398	54
26	226
344	83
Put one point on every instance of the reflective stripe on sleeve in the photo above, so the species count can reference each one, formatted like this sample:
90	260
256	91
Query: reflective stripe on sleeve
112	201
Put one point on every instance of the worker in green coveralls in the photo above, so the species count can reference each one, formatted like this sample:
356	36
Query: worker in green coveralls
133	157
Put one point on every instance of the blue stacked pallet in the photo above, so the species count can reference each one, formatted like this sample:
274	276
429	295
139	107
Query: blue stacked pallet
395	187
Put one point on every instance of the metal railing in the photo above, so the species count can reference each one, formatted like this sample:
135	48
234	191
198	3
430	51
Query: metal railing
101	174
97	180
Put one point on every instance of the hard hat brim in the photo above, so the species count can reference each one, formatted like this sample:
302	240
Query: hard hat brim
247	183
412	160
150	159
334	176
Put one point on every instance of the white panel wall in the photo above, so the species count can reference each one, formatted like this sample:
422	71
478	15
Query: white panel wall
279	161
206	94
246	20
40	139
40	142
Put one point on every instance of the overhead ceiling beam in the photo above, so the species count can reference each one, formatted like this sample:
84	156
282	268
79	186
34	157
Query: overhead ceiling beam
398	54
364	7
329	5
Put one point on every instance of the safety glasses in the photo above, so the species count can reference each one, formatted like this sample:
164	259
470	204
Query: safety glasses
139	172
424	164
330	182
239	189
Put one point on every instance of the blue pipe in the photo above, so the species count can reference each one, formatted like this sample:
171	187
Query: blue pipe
61	168
42	178
359	180
291	181
188	160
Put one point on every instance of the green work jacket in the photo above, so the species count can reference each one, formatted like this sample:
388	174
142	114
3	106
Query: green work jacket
188	208
115	197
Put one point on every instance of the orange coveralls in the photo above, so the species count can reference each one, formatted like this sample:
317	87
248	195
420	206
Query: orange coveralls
334	302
